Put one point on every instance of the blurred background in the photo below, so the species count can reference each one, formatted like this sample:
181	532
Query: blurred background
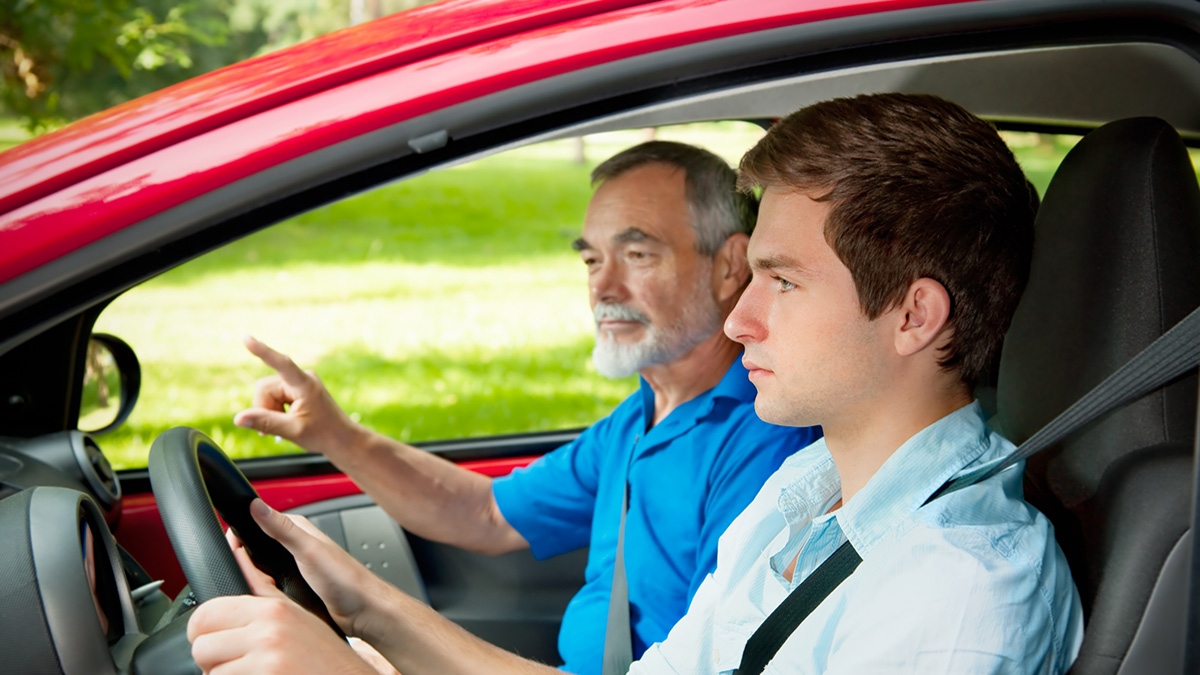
61	60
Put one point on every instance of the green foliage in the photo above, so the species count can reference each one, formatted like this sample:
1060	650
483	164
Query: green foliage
61	60
64	59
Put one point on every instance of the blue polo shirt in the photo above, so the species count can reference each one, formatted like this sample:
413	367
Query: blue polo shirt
689	477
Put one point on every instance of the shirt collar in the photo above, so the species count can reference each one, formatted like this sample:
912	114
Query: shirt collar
914	472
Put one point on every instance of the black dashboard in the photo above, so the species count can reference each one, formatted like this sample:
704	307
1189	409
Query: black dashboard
71	601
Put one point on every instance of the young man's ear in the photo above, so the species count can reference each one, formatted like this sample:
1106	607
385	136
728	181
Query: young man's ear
731	269
924	317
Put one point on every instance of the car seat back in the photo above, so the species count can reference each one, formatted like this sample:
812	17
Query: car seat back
1116	263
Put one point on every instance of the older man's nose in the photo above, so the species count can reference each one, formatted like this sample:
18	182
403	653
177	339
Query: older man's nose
608	284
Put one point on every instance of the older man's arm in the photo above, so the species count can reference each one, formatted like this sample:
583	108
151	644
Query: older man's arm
426	494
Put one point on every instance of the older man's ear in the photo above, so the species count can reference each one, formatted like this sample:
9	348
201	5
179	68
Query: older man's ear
731	270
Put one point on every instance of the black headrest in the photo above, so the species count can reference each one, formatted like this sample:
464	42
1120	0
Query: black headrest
1116	263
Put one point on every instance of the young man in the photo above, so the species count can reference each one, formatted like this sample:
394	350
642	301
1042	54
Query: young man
892	246
893	243
664	242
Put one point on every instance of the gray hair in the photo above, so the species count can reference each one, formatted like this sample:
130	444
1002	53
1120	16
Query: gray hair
718	210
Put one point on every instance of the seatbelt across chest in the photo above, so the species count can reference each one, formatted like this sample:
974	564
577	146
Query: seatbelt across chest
1171	355
618	635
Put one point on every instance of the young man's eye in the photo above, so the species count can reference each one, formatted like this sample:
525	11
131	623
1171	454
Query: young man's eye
784	284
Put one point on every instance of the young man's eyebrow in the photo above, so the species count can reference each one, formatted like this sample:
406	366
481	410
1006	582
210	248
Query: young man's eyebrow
776	263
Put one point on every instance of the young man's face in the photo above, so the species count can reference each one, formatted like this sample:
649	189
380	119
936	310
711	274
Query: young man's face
650	289
812	353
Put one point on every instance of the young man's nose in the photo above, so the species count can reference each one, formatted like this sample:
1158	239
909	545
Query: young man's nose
744	323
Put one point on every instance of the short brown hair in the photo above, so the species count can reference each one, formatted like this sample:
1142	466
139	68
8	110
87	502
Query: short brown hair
920	188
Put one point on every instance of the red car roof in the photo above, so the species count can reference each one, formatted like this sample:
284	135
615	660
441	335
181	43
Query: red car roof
94	177
120	134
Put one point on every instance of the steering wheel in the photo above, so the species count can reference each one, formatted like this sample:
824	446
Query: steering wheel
190	477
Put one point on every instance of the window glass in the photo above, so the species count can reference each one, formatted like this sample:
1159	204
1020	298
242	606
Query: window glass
445	306
1039	154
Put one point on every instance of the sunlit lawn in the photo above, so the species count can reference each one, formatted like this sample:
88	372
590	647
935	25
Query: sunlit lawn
445	306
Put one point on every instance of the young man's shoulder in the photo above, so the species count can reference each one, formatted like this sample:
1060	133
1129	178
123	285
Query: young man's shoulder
986	557
985	522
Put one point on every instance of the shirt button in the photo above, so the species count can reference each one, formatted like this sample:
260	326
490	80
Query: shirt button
716	656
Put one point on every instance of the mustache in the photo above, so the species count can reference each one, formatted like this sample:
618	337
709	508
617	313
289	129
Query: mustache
619	312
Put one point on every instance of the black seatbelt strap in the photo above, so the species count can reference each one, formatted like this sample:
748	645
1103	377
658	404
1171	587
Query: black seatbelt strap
779	626
1174	353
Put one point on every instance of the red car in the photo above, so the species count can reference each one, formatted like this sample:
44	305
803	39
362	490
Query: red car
99	207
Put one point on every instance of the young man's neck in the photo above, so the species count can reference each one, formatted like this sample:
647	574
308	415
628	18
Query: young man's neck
690	375
861	443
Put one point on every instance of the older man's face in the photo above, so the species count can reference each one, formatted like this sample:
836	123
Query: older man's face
651	291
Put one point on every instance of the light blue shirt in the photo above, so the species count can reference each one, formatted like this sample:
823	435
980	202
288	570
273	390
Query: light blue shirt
689	476
971	583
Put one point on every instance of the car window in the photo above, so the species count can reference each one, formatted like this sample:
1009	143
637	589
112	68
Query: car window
1039	154
445	306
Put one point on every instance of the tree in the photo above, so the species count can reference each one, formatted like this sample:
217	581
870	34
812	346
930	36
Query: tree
63	59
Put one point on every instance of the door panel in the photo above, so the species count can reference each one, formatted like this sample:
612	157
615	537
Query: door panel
514	600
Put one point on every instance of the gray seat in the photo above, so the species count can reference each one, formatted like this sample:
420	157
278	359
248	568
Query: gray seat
1116	264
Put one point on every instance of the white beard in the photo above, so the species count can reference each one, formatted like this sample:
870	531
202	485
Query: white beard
700	319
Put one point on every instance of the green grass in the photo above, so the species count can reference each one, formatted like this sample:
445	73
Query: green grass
419	351
12	133
446	306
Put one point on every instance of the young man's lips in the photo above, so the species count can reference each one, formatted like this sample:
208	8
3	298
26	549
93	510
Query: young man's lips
754	368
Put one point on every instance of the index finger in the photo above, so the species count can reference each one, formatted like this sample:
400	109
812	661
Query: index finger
261	583
282	363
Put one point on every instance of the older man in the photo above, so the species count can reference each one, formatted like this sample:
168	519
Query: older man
664	243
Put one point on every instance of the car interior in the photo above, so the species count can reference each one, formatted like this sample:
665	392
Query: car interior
1124	205
1118	237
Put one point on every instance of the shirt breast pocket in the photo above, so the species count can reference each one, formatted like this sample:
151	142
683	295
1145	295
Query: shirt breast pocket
728	643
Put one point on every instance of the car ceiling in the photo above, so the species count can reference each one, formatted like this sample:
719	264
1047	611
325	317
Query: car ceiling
1075	86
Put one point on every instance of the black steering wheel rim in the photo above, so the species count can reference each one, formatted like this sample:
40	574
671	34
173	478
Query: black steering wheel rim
194	480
